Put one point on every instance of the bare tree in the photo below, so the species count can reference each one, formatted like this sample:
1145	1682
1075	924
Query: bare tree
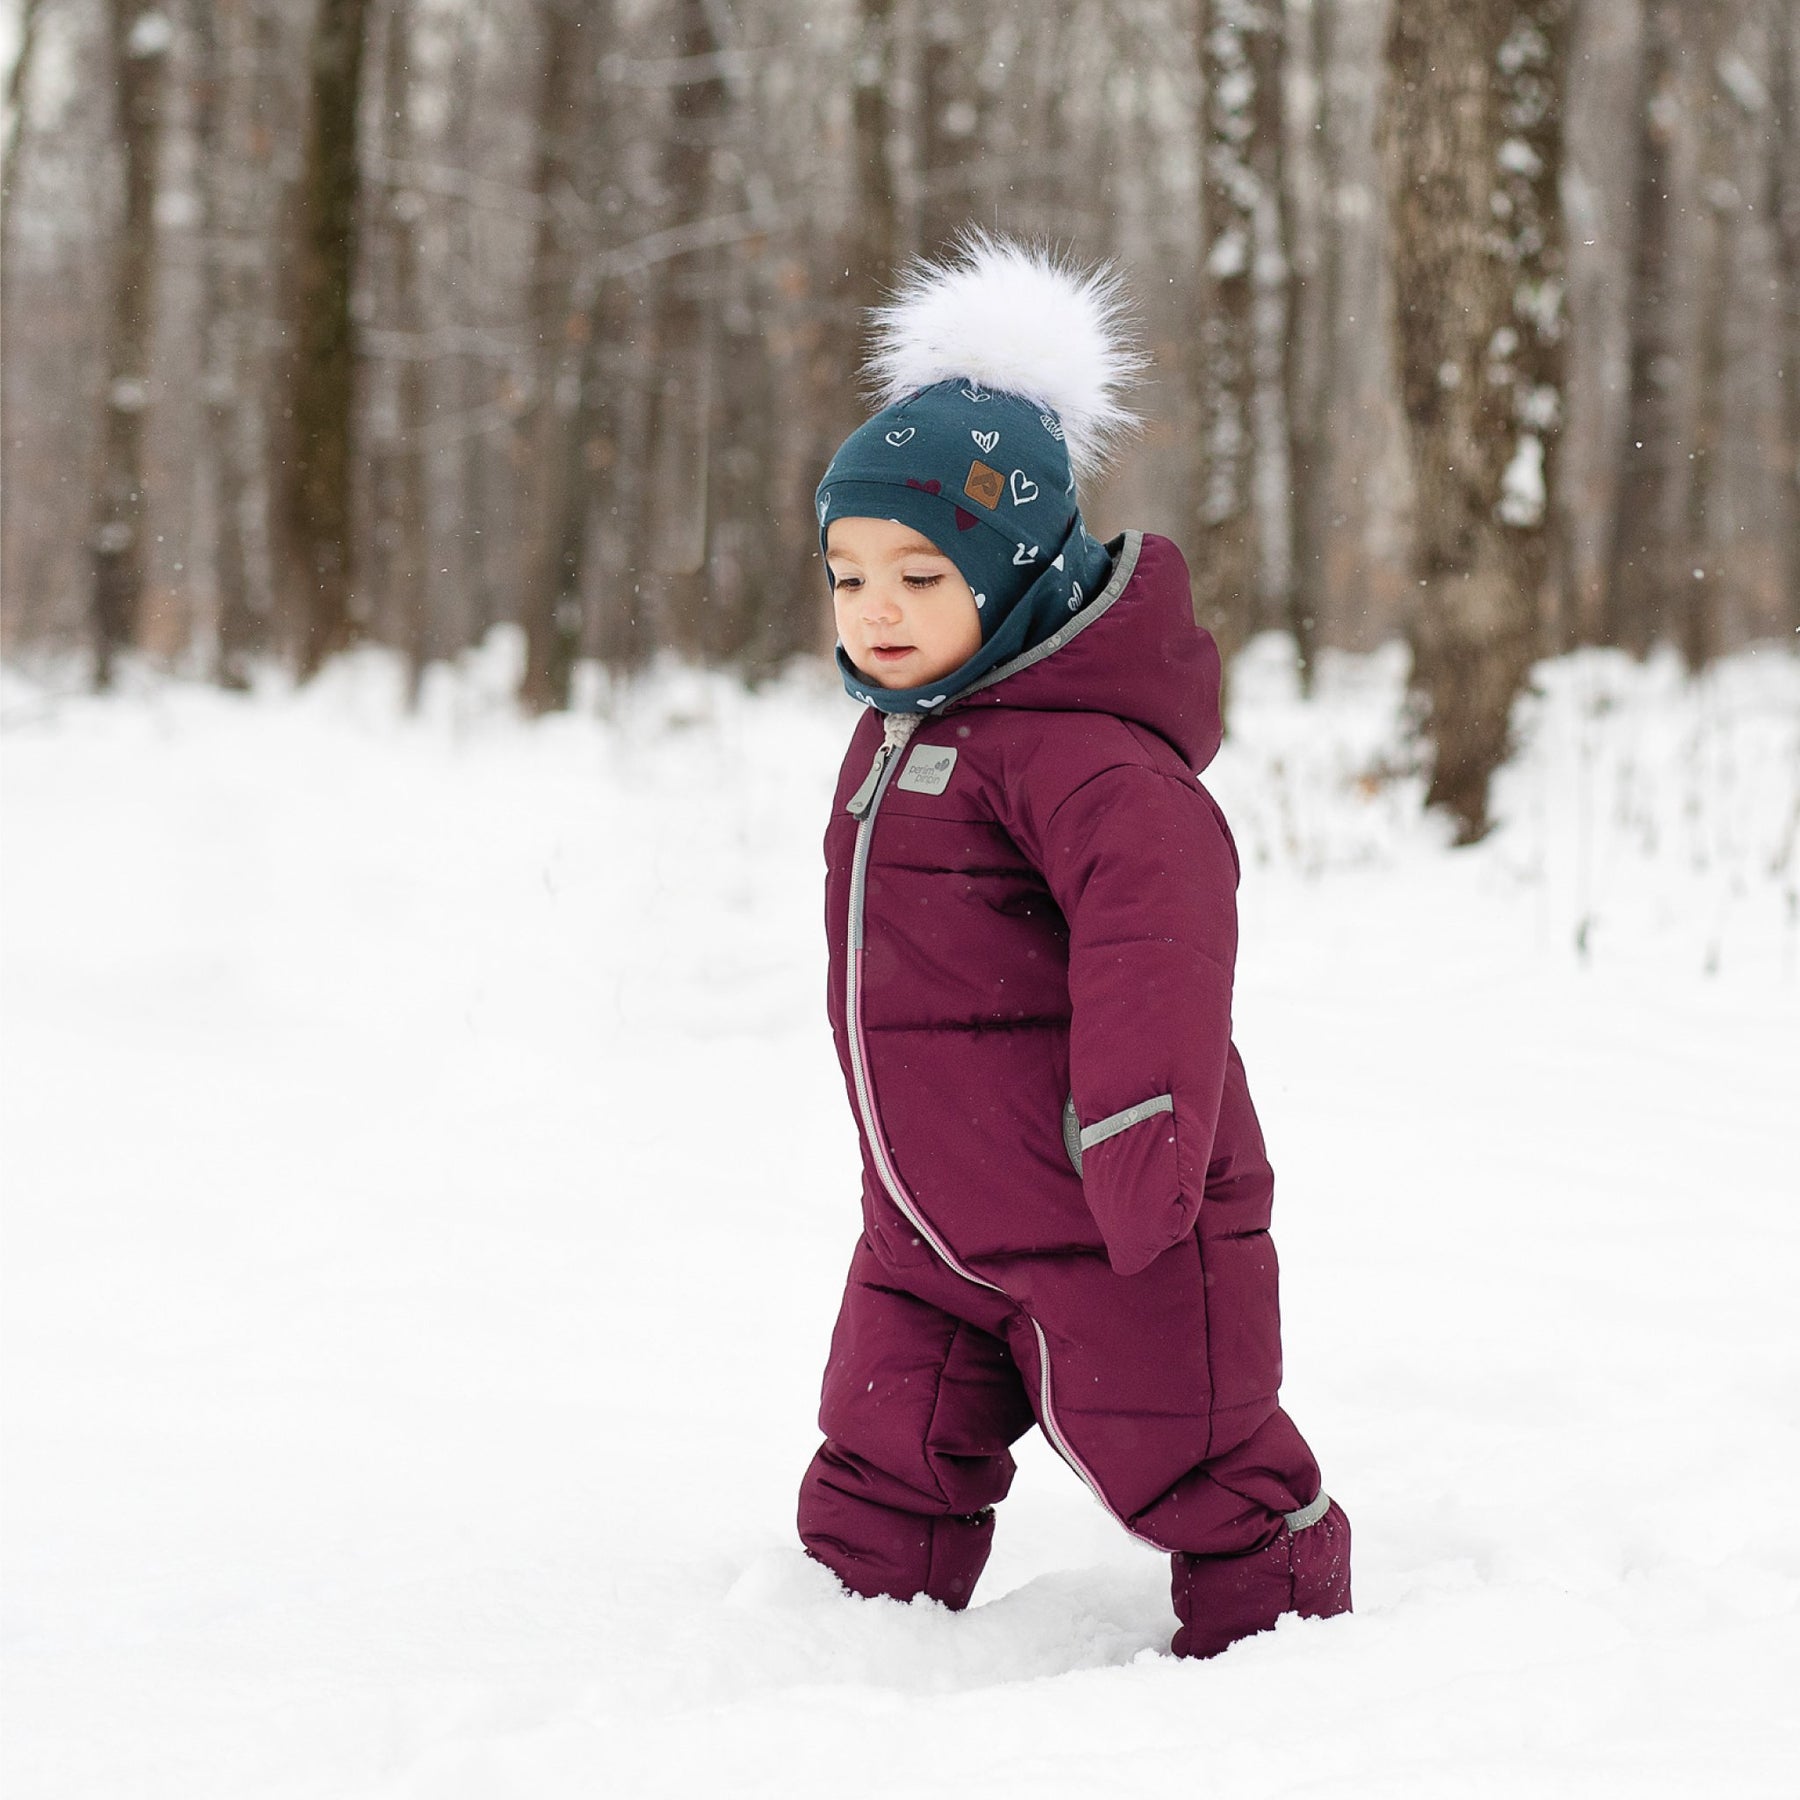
681	505
402	581
1245	551
235	52
613	432
877	248
1644	589
1721	131
752	603
318	467
1600	168
140	39
587	377
1784	158
18	96
951	124
550	603
18	88
1309	195
468	591
1474	136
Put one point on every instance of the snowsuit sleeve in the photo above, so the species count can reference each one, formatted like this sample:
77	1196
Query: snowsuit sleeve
1140	863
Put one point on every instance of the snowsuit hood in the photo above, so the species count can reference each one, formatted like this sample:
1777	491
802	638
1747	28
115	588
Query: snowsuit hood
1133	652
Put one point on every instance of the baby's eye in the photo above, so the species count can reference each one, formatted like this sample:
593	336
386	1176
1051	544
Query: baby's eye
842	582
920	582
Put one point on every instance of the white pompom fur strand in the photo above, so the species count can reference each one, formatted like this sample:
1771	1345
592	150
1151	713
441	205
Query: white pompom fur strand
1020	320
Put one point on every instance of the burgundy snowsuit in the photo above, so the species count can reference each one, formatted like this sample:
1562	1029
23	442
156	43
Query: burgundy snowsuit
1031	914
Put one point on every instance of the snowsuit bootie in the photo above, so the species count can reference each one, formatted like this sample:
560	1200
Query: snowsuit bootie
1304	1569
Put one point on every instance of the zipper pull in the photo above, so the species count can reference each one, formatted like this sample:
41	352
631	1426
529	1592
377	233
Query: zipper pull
864	797
896	728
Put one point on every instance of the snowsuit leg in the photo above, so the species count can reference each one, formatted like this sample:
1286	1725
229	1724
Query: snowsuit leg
918	1411
1233	1492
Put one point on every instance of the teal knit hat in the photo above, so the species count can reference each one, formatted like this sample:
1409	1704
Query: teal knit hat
986	477
999	373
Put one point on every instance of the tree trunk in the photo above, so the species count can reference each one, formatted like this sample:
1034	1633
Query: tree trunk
876	248
1784	153
1644	596
954	125
1309	202
317	475
550	606
18	99
682	504
140	43
1474	146
750	598
1240	49
18	87
615	432
232	54
405	594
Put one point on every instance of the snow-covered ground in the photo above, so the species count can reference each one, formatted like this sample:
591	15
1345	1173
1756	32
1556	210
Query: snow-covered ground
427	1181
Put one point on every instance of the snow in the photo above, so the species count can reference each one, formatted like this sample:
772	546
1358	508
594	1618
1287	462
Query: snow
428	1180
1522	482
151	35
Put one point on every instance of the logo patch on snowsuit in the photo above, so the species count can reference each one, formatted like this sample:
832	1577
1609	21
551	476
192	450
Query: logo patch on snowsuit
928	769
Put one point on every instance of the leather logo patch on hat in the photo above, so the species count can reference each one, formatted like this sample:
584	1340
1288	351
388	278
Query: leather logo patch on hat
985	485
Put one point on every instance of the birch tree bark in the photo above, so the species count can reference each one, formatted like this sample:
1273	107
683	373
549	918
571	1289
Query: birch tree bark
1474	134
18	91
1245	548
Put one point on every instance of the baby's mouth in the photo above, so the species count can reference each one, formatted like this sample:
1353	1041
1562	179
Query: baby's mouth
890	652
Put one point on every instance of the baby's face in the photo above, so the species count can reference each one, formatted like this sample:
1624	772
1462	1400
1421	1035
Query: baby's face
905	616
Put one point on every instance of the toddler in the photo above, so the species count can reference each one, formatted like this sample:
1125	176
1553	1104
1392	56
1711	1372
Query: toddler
1031	913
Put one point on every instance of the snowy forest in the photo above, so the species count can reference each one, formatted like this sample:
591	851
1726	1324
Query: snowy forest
397	319
427	1166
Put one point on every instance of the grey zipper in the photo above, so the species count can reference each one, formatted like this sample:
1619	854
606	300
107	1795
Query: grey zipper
863	805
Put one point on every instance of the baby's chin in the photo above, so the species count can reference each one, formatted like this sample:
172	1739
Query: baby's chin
909	671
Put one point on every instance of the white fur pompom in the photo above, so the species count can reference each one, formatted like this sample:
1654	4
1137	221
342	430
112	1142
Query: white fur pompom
1022	321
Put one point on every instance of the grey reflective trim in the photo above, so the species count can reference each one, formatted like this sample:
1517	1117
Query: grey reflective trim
1060	1444
1123	1121
1308	1515
1072	1133
1123	565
